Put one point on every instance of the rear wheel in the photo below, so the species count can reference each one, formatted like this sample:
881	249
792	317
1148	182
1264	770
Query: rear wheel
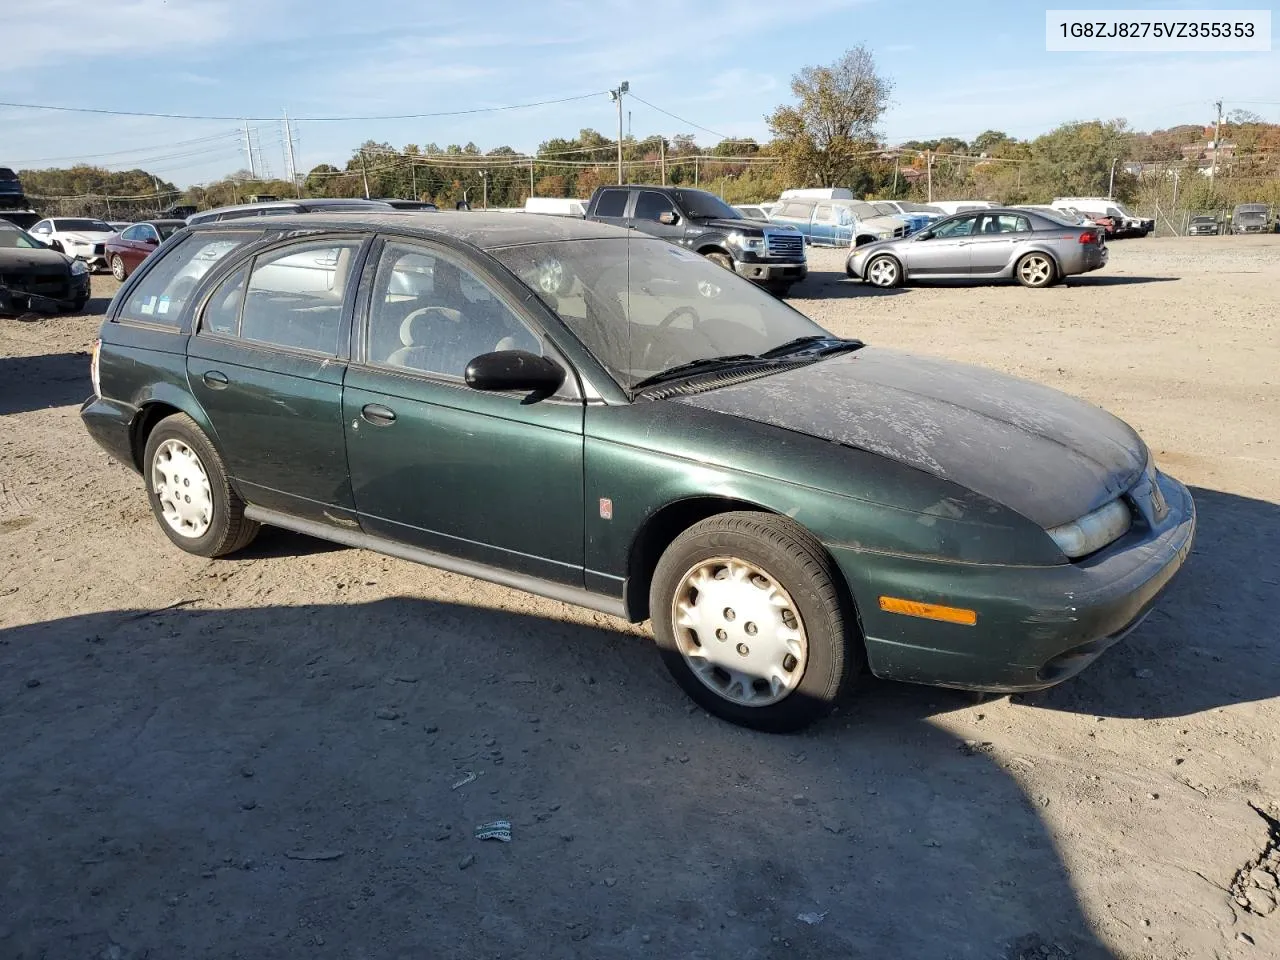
1035	270
883	271
190	494
750	622
117	268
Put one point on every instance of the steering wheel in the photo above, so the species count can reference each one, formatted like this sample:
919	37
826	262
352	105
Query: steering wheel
663	325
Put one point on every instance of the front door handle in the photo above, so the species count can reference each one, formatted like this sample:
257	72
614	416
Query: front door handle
216	380
378	415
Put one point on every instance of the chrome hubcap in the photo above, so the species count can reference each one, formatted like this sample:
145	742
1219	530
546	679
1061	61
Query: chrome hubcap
182	487
117	268
1036	270
739	631
883	273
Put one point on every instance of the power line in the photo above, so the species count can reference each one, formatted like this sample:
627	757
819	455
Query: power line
401	116
136	150
681	119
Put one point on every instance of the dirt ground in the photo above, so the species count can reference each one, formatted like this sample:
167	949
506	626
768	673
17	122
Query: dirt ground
260	757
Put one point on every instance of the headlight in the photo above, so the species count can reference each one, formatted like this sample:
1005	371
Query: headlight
753	244
78	267
1093	531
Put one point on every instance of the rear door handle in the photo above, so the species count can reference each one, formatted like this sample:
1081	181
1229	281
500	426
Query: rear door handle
378	415
216	380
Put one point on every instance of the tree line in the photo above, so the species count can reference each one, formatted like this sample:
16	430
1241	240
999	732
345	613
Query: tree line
827	136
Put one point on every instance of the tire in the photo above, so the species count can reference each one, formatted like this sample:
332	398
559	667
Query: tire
720	259
118	269
789	579
883	271
222	528
1036	270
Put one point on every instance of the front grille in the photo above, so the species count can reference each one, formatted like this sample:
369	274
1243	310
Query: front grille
789	245
43	286
900	232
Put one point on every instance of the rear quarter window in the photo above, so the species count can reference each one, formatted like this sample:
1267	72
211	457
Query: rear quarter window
161	295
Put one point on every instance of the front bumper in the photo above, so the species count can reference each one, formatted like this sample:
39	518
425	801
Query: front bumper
45	295
94	254
770	271
1036	626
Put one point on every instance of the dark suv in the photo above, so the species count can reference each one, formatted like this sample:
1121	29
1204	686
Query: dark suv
769	254
11	193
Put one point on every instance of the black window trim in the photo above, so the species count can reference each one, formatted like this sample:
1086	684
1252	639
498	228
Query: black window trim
571	390
251	256
628	202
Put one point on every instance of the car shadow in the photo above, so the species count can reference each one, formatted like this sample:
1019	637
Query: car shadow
316	772
1113	280
830	285
47	380
1211	641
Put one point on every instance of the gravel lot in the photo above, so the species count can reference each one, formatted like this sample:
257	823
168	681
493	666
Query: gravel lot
257	757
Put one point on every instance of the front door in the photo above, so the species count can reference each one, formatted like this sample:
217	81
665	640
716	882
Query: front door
995	242
650	206
943	251
488	477
611	206
267	363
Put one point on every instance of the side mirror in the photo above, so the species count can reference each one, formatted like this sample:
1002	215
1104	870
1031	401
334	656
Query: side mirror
151	240
924	235
514	370
55	244
668	218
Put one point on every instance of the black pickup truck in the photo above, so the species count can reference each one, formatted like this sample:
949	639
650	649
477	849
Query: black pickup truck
769	254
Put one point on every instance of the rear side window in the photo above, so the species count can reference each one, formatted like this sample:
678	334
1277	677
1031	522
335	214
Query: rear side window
166	288
612	203
295	295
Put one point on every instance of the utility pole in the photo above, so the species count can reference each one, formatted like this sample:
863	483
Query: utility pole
413	174
695	169
616	95
662	158
484	177
1217	143
896	157
1111	184
248	149
364	174
531	178
293	167
930	175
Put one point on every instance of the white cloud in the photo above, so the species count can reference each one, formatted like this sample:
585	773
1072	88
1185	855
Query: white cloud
61	33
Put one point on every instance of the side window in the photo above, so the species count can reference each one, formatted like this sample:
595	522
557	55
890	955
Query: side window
960	227
130	234
147	232
166	288
612	203
823	213
430	314
222	312
41	228
295	295
651	205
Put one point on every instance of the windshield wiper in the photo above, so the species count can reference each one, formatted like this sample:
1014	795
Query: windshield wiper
680	369
805	344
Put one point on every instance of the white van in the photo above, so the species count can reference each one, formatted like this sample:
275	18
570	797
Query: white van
556	206
962	206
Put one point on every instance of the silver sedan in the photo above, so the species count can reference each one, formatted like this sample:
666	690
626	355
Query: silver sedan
998	244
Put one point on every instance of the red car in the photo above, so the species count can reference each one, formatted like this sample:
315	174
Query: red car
133	244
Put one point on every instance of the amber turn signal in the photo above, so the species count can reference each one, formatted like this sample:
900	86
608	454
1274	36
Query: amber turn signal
929	611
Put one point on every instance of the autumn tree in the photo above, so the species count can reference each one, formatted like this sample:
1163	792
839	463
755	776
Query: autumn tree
822	137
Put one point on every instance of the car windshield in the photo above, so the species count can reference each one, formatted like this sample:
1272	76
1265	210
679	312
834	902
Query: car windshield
1251	211
885	209
863	211
14	239
699	203
89	226
643	306
909	207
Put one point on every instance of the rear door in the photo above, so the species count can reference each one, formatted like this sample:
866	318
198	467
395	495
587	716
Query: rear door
611	206
943	251
267	362
995	242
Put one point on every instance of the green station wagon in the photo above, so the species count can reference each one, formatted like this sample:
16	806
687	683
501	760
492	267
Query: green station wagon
606	419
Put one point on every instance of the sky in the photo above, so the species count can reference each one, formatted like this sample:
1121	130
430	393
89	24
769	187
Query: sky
958	68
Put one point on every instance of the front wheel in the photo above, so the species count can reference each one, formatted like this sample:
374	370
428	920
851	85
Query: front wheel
117	268
190	494
750	621
720	259
883	271
1035	270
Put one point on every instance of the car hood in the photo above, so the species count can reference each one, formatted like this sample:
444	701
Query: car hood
16	260
1050	457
